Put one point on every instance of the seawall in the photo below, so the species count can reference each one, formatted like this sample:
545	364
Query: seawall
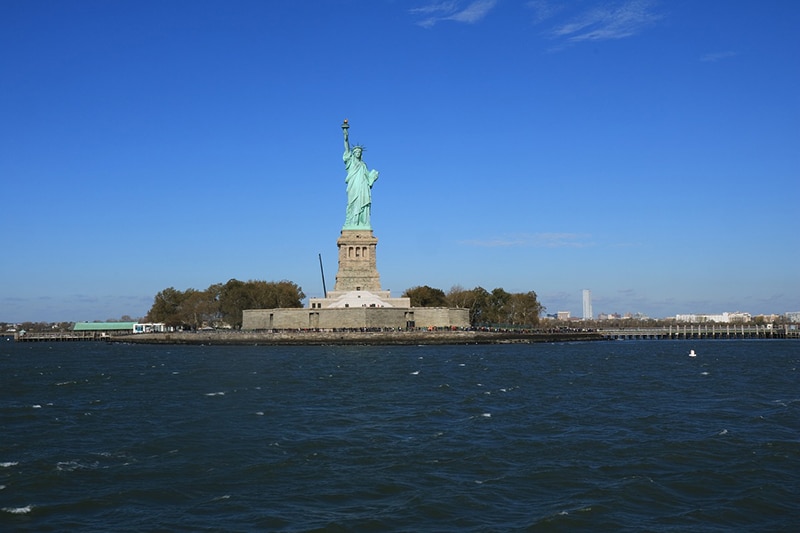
319	338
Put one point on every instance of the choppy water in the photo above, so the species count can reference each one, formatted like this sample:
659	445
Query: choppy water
605	436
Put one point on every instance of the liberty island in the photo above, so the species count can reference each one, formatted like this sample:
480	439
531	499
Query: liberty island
358	310
357	301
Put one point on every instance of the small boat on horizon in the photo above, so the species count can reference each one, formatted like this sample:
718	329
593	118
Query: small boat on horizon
692	354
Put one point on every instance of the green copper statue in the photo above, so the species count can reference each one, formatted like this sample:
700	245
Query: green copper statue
359	182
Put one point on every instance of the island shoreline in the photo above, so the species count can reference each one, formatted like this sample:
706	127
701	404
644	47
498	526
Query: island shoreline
321	338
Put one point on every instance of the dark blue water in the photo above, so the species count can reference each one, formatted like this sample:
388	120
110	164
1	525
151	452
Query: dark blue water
606	436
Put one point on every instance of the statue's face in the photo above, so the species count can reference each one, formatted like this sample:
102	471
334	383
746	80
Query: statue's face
357	152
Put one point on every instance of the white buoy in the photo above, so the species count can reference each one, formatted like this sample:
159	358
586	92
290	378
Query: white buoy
692	354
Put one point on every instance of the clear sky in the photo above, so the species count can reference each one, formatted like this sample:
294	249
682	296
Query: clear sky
646	150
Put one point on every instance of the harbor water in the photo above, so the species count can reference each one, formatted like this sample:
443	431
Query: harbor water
595	436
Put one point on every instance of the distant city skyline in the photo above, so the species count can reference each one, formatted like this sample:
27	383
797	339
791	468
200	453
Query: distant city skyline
587	312
531	146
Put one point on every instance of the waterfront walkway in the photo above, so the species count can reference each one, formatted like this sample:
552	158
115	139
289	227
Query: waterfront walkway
675	332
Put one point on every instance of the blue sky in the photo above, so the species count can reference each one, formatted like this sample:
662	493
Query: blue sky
646	150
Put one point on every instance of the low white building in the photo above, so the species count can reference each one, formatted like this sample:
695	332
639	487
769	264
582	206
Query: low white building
724	318
150	327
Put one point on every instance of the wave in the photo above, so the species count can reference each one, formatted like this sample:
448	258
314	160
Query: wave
18	510
71	466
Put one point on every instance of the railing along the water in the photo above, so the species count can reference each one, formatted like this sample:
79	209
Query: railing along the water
703	331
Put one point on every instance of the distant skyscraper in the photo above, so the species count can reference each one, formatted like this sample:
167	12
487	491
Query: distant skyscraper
587	304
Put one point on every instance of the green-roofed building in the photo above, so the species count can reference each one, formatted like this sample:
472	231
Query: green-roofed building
107	328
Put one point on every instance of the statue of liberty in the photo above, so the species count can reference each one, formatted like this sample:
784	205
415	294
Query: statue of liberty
359	182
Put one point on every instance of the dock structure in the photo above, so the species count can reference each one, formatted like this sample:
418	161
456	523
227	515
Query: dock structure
703	331
61	336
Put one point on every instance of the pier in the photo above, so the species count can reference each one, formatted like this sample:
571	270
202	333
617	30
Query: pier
61	336
703	331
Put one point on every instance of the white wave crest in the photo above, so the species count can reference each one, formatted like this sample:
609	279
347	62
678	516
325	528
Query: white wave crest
71	466
18	510
8	464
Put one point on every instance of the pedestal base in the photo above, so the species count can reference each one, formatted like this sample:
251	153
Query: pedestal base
357	263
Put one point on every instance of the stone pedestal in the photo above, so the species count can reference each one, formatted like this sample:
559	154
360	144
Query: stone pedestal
358	269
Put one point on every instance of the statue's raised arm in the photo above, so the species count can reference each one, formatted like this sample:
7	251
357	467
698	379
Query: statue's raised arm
345	131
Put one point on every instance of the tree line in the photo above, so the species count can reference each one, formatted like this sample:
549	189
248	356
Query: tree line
221	303
496	308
